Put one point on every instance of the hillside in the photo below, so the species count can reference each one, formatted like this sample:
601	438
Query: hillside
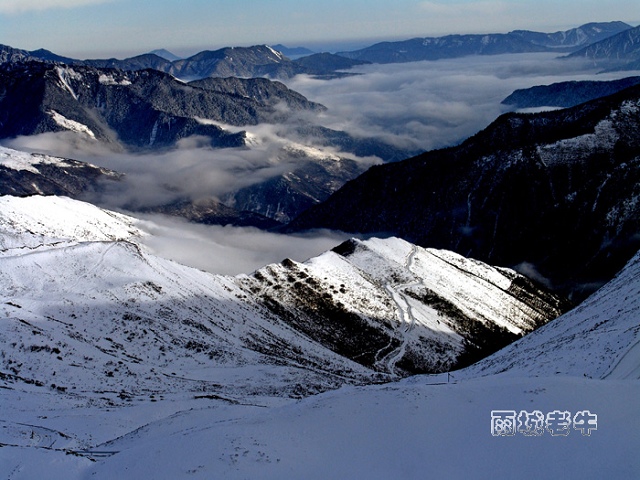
554	194
618	52
567	94
377	309
199	417
137	110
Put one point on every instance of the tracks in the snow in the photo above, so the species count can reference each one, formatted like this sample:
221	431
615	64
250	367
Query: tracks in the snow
405	317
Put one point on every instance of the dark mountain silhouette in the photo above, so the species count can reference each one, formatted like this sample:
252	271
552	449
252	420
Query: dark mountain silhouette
453	46
567	94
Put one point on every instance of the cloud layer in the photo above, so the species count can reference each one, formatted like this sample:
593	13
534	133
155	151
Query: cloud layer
230	250
421	105
432	104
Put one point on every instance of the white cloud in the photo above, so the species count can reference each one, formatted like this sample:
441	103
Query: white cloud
230	250
429	105
21	6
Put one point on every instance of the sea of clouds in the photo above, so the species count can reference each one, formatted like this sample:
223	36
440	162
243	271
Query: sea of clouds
420	105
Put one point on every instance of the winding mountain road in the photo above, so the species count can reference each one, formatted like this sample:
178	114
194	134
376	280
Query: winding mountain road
406	318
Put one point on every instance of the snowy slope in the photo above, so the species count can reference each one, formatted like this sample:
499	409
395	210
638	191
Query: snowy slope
63	218
402	309
376	312
408	431
599	339
121	320
413	429
23	174
172	372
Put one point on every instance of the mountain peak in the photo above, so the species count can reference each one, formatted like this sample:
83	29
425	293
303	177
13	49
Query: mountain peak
166	54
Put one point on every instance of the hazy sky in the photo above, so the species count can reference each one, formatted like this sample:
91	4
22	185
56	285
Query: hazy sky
101	28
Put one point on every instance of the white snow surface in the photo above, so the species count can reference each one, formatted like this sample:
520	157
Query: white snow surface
71	125
66	74
17	160
598	339
142	365
38	221
106	79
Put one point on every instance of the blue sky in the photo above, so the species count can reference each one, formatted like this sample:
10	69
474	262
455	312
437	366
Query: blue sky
102	28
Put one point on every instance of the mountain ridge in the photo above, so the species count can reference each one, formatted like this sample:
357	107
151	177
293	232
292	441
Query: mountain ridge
518	41
567	94
616	53
506	171
384	295
263	60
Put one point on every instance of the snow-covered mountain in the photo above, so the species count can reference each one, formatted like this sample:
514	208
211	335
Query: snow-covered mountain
140	367
143	109
618	52
255	61
244	62
10	54
24	174
555	193
518	41
574	38
368	310
599	339
150	111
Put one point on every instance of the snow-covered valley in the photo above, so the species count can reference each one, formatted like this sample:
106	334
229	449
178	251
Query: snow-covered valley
117	363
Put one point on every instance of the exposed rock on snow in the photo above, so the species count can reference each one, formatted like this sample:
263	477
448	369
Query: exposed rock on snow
76	286
599	339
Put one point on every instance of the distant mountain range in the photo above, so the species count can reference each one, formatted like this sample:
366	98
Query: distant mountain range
293	52
518	41
245	62
263	60
618	52
147	110
567	94
556	194
140	109
166	54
